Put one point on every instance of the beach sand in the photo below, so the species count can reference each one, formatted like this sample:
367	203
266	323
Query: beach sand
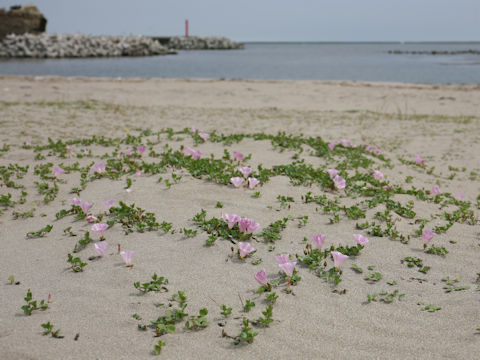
440	123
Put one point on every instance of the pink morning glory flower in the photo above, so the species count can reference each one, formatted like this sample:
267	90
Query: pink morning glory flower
261	277
360	239
101	248
282	259
69	149
419	160
108	204
378	175
237	156
427	235
435	190
332	145
99	229
252	182
138	172
252	227
204	136
378	151
288	267
91	218
194	153
460	196
332	173
99	167
245	171
339	182
345	143
28	143
141	149
85	206
368	148
76	201
58	170
232	219
236	181
129	151
194	129
318	240
127	257
338	258
245	248
243	224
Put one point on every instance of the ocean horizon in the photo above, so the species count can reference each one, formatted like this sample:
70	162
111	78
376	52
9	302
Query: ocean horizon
267	60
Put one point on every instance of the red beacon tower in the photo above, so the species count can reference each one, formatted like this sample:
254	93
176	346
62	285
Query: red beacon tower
186	28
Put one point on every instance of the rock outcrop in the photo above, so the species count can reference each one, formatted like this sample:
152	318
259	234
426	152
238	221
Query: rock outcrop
78	45
21	20
202	43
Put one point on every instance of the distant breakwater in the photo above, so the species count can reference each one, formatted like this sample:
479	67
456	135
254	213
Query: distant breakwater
436	52
83	46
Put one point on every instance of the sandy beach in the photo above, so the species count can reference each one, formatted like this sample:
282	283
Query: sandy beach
431	314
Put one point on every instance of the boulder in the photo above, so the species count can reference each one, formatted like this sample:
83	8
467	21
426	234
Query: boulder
21	20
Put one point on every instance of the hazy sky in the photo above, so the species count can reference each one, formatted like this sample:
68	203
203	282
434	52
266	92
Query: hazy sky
269	20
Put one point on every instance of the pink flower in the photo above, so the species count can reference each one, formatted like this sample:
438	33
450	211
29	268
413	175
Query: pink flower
129	190
378	175
243	224
360	239
194	129
338	258
232	219
252	227
345	143
99	229
460	196
75	201
245	171
194	153
282	259
332	145
138	172
261	277
427	235
339	182
28	143
435	190
319	240
85	206
141	149
99	167
237	156
332	173
288	267
245	248
368	148
91	218
108	204
58	170
252	182
236	181
127	257
378	151
101	248
204	136
129	151
69	149
419	160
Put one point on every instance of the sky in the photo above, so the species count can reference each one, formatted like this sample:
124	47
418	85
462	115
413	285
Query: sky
268	20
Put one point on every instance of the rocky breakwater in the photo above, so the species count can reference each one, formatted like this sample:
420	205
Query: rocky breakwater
202	43
78	45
